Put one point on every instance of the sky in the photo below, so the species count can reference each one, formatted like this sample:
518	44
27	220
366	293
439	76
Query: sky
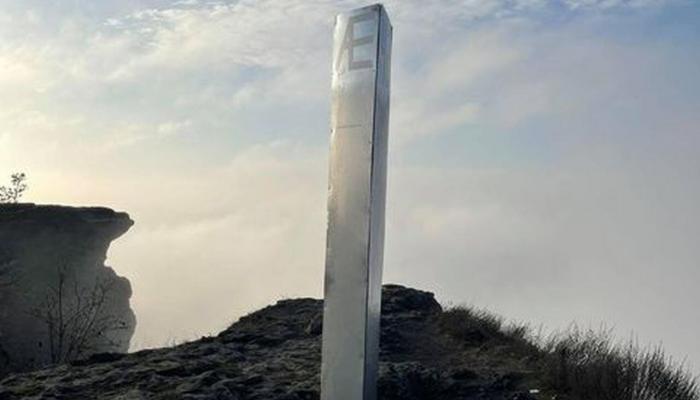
543	155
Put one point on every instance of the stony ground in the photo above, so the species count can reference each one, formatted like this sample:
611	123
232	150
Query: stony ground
274	354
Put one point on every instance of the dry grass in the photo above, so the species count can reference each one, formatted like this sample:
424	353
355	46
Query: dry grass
589	365
477	327
471	325
579	365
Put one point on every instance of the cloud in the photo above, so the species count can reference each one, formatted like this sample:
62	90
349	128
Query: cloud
224	60
608	4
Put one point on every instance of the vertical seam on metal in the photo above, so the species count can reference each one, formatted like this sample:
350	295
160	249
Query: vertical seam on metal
371	187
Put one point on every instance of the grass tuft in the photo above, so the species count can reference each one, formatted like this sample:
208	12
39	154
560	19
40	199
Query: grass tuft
471	325
589	365
578	364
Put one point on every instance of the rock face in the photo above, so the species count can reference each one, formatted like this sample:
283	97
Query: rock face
274	354
58	300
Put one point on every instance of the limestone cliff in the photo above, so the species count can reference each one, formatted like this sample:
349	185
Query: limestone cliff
58	300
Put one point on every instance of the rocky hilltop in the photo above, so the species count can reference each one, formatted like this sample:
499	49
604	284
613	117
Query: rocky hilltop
58	300
427	353
274	354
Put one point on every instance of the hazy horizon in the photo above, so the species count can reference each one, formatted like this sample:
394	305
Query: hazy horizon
543	157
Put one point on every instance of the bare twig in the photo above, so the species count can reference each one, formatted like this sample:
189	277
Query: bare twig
77	321
12	193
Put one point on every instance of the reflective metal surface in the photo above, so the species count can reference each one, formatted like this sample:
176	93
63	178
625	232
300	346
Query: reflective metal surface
356	202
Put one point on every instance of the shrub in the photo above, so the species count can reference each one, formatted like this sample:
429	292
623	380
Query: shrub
12	193
77	318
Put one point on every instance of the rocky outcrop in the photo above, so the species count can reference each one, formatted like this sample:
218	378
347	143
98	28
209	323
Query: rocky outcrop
275	354
58	300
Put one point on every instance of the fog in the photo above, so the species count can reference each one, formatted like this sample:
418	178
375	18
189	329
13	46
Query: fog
542	162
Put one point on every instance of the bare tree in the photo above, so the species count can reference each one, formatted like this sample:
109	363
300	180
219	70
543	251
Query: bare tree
12	193
78	322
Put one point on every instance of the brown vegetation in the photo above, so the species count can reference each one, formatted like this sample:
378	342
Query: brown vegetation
577	364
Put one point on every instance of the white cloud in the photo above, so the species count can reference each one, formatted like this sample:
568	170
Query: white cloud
607	4
170	128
